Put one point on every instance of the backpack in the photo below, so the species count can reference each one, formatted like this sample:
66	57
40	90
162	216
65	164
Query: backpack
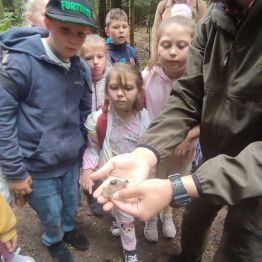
101	124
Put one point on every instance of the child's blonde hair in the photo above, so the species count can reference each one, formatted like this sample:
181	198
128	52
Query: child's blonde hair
122	69
179	20
28	8
116	14
95	40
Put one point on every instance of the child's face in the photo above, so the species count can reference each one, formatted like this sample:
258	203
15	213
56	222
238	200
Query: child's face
172	49
66	39
96	58
36	17
122	96
118	31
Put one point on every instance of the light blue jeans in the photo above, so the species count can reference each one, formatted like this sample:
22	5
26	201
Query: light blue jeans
55	200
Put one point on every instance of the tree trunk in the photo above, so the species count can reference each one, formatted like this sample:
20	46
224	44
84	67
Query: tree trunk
102	14
8	4
131	22
116	3
1	10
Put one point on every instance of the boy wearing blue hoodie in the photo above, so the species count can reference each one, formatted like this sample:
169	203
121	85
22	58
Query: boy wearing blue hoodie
117	30
45	97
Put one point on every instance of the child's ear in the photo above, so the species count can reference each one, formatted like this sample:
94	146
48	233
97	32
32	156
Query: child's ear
107	30
28	20
47	23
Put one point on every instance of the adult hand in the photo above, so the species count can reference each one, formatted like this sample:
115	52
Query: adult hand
11	244
134	166
145	199
21	187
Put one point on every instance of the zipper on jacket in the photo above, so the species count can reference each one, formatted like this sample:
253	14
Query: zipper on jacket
227	55
95	96
229	65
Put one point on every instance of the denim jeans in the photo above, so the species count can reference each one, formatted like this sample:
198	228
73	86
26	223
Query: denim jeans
55	200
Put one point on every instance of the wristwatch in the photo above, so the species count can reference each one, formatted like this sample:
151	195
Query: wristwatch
180	197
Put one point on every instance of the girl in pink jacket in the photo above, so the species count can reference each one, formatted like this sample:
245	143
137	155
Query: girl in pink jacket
166	66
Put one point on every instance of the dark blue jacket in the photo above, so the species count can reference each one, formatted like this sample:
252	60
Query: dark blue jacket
122	53
43	107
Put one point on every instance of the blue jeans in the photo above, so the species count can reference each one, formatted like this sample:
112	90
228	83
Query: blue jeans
55	200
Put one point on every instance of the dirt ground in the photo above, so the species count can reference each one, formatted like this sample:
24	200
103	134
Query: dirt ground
103	246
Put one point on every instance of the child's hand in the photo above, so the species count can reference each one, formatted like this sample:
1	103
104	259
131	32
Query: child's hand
21	187
180	157
11	244
182	149
85	180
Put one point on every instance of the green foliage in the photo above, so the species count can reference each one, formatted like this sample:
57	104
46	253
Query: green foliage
144	10
12	15
9	20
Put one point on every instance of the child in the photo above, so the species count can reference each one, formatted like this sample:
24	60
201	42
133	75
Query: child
168	8
167	65
8	234
126	122
45	96
117	30
94	52
34	12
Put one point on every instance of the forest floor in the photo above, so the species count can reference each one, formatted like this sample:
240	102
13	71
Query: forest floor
103	246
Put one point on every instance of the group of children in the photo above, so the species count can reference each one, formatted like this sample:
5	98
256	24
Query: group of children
52	100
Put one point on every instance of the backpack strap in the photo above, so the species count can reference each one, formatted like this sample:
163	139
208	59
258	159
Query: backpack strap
164	7
197	7
101	124
131	54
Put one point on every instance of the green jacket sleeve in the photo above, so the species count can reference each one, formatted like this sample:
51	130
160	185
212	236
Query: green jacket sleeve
233	179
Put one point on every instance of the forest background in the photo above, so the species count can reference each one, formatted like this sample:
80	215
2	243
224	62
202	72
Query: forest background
140	12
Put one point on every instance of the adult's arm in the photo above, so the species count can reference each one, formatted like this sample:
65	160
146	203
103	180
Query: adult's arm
230	183
232	179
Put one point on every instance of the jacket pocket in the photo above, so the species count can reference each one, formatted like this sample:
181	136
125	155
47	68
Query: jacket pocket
55	149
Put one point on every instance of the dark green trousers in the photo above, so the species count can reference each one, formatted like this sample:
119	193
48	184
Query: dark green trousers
242	235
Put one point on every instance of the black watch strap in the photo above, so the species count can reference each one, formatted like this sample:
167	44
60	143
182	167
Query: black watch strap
180	196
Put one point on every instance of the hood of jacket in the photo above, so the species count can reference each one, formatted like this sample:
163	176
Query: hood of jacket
24	39
222	20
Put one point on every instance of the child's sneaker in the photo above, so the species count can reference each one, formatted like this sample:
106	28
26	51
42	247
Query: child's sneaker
18	258
130	256
150	229
168	227
115	229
